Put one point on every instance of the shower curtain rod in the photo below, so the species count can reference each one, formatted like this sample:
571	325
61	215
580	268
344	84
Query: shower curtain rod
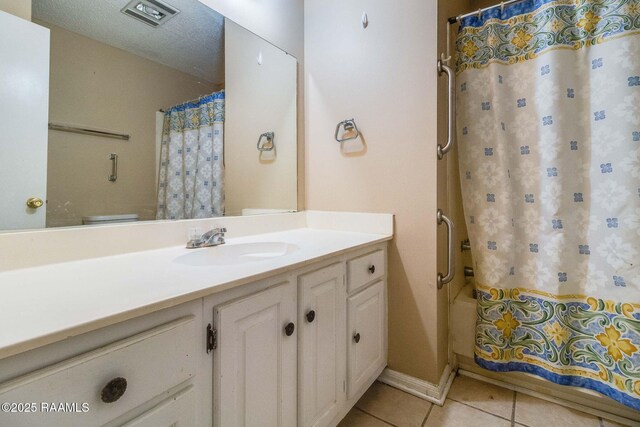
455	19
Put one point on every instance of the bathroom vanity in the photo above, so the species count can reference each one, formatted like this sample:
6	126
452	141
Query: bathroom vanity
285	324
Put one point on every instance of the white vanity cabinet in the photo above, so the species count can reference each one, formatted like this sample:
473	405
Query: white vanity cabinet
321	345
255	362
367	335
256	365
366	318
112	383
297	348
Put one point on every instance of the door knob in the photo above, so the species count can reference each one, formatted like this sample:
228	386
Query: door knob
356	337
34	203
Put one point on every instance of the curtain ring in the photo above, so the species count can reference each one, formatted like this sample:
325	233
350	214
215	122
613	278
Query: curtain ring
501	7
479	13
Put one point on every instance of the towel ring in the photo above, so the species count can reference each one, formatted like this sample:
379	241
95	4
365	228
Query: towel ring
269	145
348	125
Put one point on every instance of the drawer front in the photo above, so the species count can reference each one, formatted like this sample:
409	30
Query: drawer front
151	363
176	411
364	270
366	312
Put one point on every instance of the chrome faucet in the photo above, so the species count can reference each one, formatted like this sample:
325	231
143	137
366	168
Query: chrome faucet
213	237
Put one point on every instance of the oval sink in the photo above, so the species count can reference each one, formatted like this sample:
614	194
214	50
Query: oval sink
238	253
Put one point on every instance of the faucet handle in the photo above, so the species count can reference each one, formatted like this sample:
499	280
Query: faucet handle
222	230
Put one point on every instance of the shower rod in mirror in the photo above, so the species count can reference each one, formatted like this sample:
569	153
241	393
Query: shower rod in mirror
87	131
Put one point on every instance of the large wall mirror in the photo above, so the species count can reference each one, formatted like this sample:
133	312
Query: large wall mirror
159	110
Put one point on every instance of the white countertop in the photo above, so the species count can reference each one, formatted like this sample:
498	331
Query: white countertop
48	303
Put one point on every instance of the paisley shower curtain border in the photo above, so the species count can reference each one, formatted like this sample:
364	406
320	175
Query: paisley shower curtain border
497	310
609	304
188	115
534	32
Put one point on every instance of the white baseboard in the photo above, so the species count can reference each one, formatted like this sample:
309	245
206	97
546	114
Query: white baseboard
435	393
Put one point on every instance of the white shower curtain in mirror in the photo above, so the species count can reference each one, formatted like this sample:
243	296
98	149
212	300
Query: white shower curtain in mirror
191	175
549	133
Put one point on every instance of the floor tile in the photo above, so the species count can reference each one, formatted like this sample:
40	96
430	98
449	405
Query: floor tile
393	405
482	395
357	418
535	412
454	414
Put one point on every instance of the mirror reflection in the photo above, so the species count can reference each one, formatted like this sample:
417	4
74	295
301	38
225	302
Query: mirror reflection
157	110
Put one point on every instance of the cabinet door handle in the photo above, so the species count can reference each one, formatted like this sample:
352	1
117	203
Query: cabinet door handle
288	330
372	269
356	337
114	390
311	315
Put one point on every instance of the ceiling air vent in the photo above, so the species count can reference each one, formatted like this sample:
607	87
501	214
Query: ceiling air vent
151	12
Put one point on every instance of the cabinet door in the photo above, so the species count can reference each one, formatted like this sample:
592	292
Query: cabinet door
176	411
366	313
321	349
255	364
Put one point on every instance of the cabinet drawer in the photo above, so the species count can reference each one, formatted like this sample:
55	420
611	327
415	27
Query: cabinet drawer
177	410
151	363
365	269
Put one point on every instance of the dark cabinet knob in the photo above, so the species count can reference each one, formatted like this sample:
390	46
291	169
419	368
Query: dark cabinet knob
288	330
356	337
311	315
372	269
114	390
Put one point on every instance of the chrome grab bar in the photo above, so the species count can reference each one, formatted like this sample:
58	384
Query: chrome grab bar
443	280
114	167
451	129
349	125
269	145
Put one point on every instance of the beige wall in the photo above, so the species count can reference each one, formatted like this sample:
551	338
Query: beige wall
280	22
260	97
21	8
99	86
385	77
449	197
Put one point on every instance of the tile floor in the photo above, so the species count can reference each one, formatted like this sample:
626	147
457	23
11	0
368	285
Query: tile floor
470	403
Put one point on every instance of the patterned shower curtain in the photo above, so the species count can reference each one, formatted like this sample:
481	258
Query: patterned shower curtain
549	134
191	176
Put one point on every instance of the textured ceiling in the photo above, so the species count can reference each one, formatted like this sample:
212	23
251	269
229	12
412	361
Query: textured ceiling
191	42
